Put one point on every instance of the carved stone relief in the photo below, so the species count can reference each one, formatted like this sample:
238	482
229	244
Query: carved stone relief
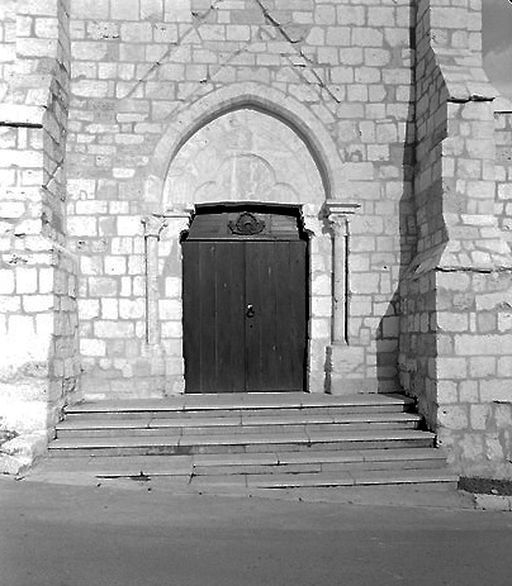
244	155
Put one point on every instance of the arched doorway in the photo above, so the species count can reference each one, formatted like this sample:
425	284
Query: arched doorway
246	155
245	300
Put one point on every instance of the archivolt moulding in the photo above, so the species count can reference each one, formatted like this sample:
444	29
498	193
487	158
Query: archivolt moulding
248	95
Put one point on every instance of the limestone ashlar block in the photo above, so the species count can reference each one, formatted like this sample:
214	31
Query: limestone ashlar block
7	281
88	308
113	329
109	308
172	329
450	368
347	360
173	287
482	367
126	9
473	345
131	308
495	390
115	265
92	347
103	286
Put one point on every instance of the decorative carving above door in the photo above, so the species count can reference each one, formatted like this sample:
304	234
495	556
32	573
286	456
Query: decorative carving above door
247	224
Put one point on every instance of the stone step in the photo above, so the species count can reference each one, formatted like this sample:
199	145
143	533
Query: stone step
249	405
338	479
145	426
328	480
266	441
320	461
311	467
246	414
246	463
324	457
194	444
353	478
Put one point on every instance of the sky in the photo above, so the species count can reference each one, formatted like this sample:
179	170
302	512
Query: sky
497	43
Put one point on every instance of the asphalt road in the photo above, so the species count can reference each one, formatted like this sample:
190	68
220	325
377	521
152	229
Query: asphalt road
93	536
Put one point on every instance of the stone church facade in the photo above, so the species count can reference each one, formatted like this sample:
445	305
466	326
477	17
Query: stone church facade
373	120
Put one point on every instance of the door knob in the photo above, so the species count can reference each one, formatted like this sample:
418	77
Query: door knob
250	310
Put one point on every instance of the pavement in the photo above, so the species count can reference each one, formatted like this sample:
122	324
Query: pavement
73	530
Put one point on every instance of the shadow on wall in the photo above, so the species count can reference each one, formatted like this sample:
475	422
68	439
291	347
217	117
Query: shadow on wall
392	328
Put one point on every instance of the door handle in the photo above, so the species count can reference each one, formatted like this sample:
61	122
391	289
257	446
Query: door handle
250	310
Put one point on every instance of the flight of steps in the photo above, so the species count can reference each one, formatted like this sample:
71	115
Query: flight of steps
281	440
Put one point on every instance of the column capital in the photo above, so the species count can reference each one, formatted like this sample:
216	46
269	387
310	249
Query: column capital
338	214
153	225
335	210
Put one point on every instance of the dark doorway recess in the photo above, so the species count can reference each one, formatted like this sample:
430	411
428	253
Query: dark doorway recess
245	300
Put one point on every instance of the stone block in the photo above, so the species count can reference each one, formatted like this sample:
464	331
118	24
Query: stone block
129	225
7	284
320	328
322	306
482	366
115	265
113	329
172	329
136	32
109	308
451	368
131	308
37	303
82	226
366	37
452	322
453	417
88	308
495	390
447	392
124	9
92	347
103	286
173	287
346	360
89	9
504	367
321	285
475	345
479	415
151	10
88	51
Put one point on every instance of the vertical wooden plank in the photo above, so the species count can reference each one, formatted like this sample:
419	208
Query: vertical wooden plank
191	317
297	284
253	298
229	317
206	316
279	316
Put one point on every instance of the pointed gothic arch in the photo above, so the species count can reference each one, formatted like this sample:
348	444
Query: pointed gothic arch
260	98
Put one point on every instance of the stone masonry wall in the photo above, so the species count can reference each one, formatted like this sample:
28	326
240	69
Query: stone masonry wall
456	296
138	67
407	133
38	321
503	136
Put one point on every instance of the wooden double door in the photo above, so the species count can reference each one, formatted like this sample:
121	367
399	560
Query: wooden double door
245	315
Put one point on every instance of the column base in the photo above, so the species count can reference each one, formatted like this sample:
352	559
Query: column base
347	370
